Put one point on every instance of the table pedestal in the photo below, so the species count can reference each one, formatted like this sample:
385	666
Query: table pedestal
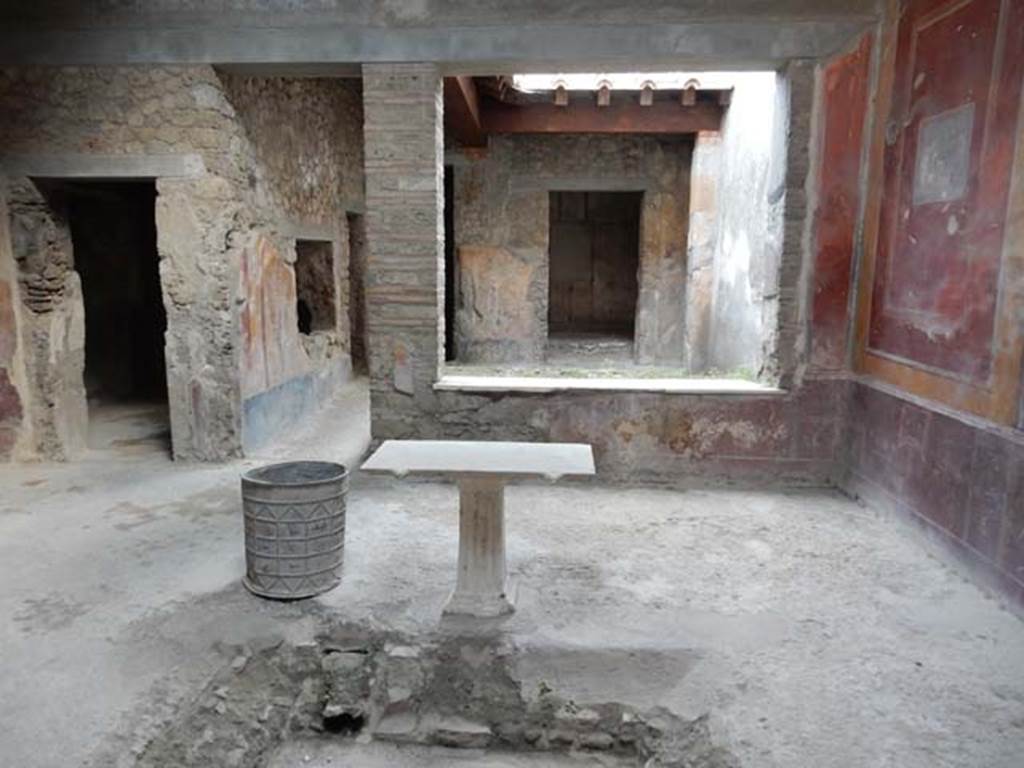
480	587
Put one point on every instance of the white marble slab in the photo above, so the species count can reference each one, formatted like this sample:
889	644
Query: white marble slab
472	457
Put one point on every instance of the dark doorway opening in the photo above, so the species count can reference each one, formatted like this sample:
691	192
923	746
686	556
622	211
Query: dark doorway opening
113	234
357	290
594	259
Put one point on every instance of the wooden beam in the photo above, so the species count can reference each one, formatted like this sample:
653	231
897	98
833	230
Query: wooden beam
660	117
462	111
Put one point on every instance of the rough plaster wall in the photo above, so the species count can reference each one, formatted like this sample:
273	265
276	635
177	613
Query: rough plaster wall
156	111
700	256
307	171
501	243
305	174
502	229
11	368
271	351
748	237
660	337
16	436
310	164
796	140
52	321
206	222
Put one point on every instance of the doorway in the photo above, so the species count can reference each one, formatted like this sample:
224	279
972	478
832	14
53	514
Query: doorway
594	252
113	234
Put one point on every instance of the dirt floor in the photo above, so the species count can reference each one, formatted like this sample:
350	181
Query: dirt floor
811	631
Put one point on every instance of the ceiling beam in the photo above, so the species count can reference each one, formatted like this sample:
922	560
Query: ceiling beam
660	117
462	111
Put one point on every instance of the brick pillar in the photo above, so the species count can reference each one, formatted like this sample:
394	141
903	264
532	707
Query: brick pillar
404	140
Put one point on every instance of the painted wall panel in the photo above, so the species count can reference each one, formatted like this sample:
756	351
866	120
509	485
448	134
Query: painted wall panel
845	82
950	142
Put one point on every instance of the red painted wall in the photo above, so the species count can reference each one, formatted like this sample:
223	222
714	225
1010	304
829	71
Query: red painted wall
950	143
962	483
844	98
948	159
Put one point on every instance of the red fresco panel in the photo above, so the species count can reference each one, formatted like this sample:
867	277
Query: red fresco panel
950	142
845	91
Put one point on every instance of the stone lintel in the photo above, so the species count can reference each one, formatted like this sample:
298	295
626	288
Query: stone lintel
73	165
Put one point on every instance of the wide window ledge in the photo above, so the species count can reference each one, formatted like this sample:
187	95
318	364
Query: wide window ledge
679	386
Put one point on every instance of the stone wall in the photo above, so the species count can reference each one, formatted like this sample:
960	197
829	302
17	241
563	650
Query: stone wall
50	326
308	173
649	437
502	230
11	366
234	145
404	134
306	135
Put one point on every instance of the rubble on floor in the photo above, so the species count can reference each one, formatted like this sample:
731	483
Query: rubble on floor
441	690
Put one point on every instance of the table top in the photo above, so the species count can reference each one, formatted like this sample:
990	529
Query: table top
473	457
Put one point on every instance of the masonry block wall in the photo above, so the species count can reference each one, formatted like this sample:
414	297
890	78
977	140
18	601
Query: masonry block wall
404	136
502	230
224	200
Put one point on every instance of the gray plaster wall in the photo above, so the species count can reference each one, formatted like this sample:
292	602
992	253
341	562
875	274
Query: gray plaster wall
746	243
322	35
315	35
502	230
260	154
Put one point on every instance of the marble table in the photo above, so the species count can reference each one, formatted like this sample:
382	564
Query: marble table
481	469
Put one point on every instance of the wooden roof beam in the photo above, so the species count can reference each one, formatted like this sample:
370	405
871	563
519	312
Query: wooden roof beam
661	117
462	114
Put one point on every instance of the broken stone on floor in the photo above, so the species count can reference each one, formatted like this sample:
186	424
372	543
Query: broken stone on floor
438	691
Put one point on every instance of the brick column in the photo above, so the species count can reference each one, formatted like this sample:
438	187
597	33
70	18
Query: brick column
404	141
